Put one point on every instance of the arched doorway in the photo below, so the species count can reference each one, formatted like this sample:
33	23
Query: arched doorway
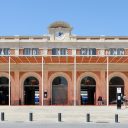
59	91
31	91
114	83
4	91
87	91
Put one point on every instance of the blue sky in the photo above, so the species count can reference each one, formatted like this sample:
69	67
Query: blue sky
88	17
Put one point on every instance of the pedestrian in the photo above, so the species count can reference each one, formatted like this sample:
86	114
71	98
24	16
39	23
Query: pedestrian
124	101
100	100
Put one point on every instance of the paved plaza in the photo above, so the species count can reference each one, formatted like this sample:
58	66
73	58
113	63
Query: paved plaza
70	114
59	125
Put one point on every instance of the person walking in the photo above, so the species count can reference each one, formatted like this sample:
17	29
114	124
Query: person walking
124	101
100	100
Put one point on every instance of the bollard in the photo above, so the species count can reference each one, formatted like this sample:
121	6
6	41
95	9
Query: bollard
116	118
31	116
2	116
88	117
59	117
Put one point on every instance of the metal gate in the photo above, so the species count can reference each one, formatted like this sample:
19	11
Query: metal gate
59	94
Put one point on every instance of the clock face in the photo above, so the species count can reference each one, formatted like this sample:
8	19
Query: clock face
59	35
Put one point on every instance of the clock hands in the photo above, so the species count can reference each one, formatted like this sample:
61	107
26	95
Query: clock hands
60	33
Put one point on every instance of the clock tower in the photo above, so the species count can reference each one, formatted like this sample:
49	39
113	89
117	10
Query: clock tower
59	31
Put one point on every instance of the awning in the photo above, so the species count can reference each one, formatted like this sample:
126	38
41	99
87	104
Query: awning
63	59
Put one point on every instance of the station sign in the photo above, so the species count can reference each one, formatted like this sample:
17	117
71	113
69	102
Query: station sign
118	90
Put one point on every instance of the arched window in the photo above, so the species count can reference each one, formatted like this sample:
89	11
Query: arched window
88	51
88	81
116	81
116	51
59	81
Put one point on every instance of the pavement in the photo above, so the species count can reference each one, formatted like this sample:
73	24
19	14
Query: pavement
59	125
70	114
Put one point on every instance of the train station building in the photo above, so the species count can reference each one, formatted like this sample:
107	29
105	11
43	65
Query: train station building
61	68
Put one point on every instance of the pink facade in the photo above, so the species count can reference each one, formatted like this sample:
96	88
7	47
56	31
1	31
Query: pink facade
62	69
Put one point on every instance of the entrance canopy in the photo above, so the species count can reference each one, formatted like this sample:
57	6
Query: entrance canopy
64	59
55	59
